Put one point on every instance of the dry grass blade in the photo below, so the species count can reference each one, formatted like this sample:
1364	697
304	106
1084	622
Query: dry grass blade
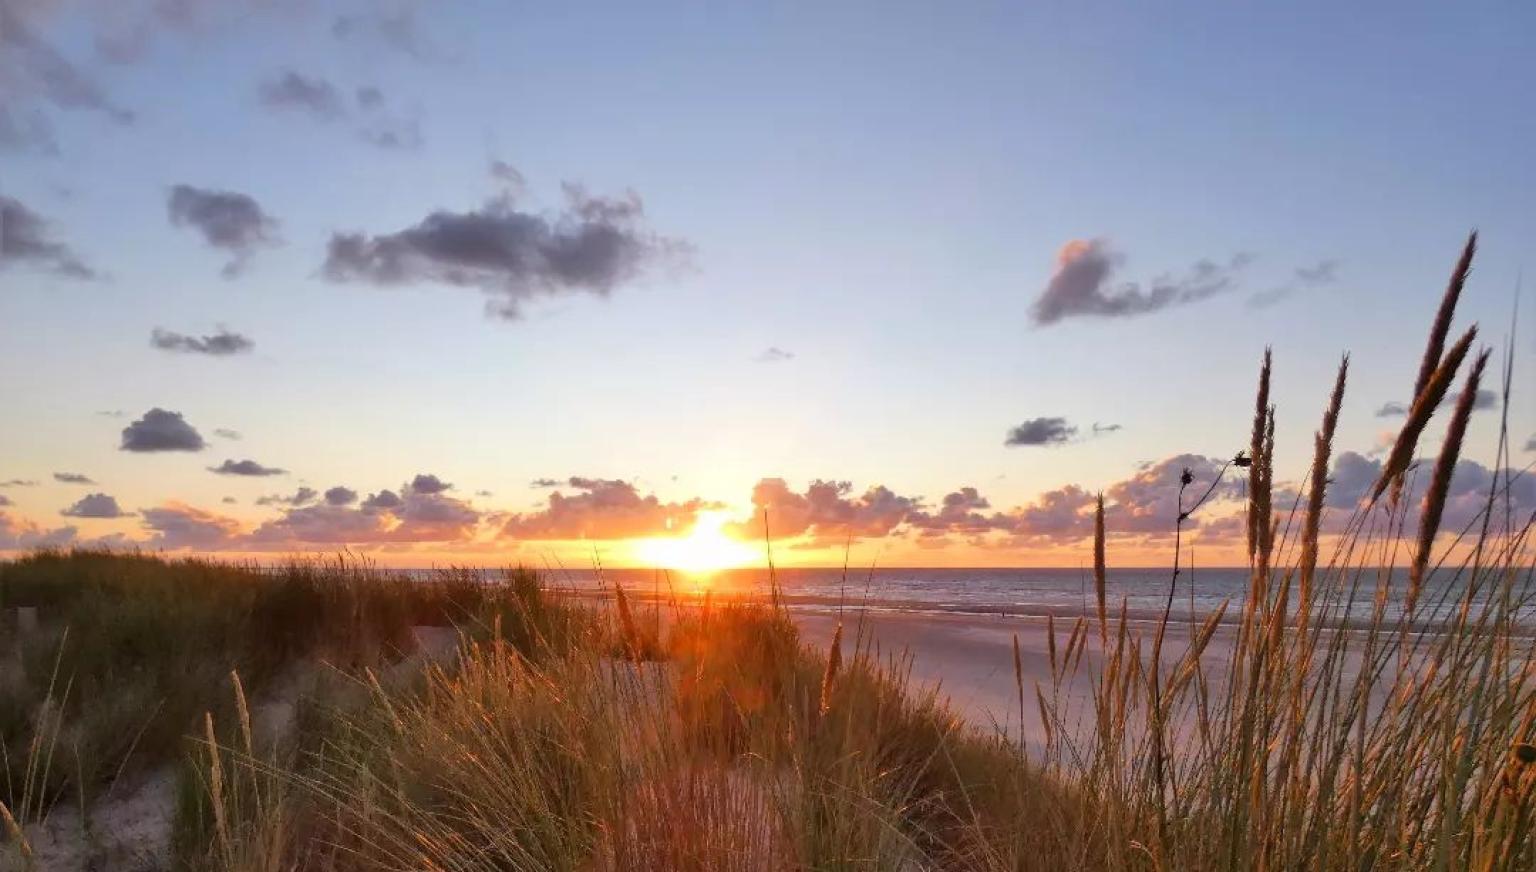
1322	450
1256	451
1441	327
834	662
1424	406
1440	483
1099	570
14	833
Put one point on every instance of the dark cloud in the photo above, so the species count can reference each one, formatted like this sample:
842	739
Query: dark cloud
1304	278
314	96
25	241
72	478
160	430
593	246
508	177
415	517
5	500
602	509
227	220
394	134
1484	401
1530	444
1082	285
26	130
1106	428
1354	475
484	493
246	467
18	482
395	29
37	74
544	483
323	101
95	506
383	501
960	512
1148	501
226	433
775	354
1061	515
229	501
111	413
427	484
220	344
1041	431
300	497
826	512
175	525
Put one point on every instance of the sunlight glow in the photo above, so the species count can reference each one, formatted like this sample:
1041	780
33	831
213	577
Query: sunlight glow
705	549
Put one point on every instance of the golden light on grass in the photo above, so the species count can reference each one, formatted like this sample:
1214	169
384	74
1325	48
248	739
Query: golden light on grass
704	550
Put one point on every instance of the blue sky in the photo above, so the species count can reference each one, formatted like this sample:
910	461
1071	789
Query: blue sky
880	189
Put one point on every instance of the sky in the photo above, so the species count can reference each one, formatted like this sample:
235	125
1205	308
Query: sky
497	282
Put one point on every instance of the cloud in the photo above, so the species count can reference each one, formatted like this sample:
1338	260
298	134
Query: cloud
160	430
1530	444
484	493
220	344
227	220
1041	431
177	525
25	241
35	74
111	413
17	534
826	512
245	467
1304	278
416	517
314	96
427	484
961	512
1082	285
1106	428
593	246
226	433
95	506
394	29
323	101
72	478
545	483
1148	501
1484	401
302	496
1060	515
602	509
229	501
507	176
775	354
1354	474
6	501
18	482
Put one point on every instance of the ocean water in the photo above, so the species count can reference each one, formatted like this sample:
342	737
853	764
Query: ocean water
1143	593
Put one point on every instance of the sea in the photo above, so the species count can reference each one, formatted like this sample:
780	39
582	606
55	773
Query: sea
1143	593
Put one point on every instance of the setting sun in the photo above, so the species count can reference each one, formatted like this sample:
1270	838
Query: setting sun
704	549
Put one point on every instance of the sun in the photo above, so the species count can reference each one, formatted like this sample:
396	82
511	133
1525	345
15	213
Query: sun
704	550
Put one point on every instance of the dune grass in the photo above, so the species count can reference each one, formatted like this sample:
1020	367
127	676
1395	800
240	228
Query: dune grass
566	734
